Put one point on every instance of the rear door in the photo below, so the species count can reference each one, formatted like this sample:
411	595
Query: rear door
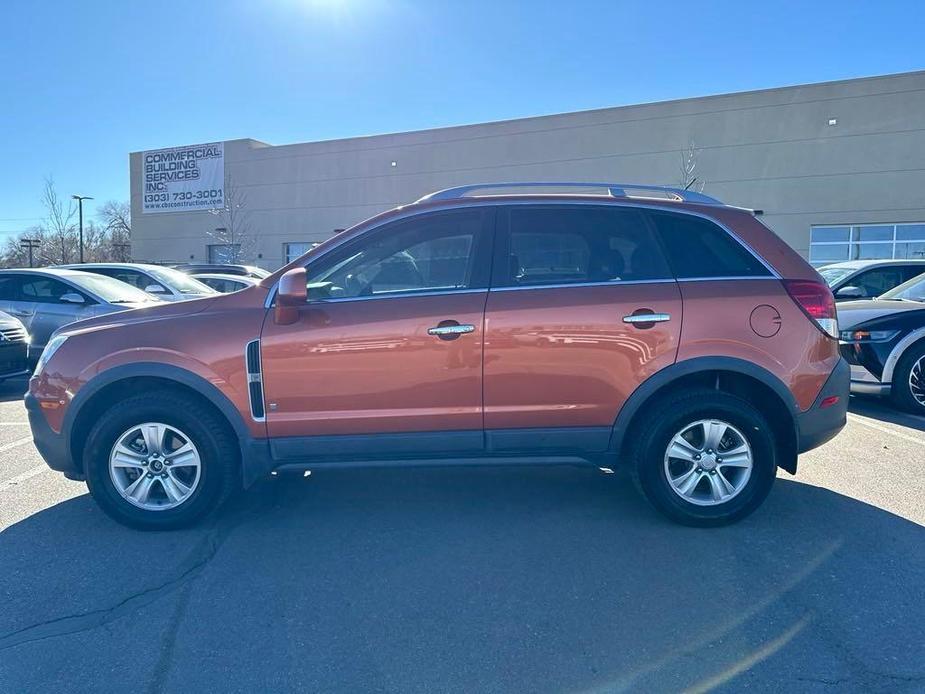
582	309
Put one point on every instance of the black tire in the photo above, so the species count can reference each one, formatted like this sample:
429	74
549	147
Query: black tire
205	428
656	426
901	390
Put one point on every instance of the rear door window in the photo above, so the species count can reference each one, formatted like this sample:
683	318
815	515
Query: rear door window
699	248
579	244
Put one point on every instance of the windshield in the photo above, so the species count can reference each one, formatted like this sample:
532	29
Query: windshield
180	281
111	290
831	275
912	290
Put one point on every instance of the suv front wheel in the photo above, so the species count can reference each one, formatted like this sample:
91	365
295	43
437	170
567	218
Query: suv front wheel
704	457
160	461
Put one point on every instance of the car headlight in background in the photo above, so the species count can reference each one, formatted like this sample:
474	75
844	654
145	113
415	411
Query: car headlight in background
854	336
54	344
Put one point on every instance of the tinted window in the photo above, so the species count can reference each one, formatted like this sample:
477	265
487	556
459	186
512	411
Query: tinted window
132	277
432	253
567	245
877	281
697	247
9	288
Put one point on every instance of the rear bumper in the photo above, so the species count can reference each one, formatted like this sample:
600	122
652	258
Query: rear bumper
819	424
53	447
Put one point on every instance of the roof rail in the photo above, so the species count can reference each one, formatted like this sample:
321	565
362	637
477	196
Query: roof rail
617	190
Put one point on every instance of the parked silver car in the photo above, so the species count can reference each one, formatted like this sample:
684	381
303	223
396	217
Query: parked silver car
45	299
163	282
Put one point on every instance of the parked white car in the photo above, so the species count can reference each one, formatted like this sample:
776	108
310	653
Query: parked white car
163	282
227	283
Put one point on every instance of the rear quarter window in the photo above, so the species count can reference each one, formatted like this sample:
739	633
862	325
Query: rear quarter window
697	247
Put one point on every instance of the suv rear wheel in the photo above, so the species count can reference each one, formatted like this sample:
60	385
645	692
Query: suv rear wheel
160	461
704	457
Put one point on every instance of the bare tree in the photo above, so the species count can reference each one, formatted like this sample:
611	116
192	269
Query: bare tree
688	165
59	227
15	254
117	219
105	240
234	229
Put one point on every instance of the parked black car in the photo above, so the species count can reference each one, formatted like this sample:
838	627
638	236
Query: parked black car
884	342
14	346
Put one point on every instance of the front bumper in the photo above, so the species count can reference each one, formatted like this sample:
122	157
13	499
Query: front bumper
818	424
13	359
52	446
863	382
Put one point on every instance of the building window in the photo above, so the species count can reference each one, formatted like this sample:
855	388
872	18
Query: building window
291	251
836	244
224	253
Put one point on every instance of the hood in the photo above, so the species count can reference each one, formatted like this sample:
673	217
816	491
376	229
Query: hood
148	312
854	313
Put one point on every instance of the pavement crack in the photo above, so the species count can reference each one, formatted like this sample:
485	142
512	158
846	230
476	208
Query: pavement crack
204	552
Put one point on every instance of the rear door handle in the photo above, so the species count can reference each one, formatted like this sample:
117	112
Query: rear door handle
24	314
647	318
450	330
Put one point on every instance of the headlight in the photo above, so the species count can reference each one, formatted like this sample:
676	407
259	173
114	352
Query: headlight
867	335
54	344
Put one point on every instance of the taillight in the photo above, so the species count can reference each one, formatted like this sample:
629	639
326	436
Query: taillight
816	301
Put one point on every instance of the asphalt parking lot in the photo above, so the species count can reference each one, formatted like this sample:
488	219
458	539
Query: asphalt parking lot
494	580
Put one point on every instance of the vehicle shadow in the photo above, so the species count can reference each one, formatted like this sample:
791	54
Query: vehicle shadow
881	409
499	579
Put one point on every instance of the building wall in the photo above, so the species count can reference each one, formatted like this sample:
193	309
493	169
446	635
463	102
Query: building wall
772	149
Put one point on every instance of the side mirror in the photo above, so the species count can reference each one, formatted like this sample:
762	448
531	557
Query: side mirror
851	292
291	295
72	298
155	289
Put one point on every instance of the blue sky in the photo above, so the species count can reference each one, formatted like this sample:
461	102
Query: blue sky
82	84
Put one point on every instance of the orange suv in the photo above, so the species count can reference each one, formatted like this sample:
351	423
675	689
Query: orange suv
641	326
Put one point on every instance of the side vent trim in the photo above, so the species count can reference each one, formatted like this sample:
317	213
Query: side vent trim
254	380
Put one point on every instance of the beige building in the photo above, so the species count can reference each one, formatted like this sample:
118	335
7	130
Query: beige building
838	169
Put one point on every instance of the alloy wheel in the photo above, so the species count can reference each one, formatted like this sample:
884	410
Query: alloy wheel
154	466
708	462
917	381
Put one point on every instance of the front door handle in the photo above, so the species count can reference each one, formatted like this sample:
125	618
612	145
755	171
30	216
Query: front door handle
22	314
639	317
450	330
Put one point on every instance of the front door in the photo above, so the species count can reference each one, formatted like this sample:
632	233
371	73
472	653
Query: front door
582	309
386	356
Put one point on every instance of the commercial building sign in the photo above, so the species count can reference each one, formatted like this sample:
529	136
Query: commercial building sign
181	179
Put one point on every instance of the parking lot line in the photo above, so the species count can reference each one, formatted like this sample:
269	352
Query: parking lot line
22	477
886	430
15	444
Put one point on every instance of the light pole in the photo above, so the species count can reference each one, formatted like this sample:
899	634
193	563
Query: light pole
30	245
80	207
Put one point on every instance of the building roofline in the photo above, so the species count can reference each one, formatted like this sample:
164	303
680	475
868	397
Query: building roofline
255	144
